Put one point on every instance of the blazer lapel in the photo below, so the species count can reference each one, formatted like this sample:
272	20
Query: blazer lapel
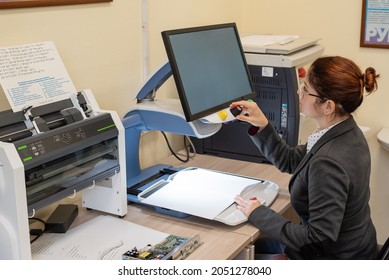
342	128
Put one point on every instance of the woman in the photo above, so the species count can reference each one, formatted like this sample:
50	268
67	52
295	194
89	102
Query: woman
329	188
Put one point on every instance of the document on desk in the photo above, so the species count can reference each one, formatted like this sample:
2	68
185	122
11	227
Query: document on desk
199	192
104	238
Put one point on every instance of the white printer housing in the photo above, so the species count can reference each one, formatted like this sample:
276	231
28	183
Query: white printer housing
51	152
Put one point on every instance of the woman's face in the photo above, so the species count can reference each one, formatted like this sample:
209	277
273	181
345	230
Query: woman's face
309	100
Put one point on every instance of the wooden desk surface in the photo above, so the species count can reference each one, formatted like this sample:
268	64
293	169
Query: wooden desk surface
220	241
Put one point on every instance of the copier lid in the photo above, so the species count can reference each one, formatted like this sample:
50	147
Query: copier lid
276	44
280	51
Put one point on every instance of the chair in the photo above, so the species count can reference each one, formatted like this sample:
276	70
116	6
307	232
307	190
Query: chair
384	251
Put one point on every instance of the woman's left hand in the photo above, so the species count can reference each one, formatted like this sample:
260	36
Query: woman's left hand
246	205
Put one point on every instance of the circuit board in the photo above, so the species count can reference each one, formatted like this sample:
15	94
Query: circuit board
173	247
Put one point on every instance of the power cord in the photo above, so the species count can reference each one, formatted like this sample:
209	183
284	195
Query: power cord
37	232
187	144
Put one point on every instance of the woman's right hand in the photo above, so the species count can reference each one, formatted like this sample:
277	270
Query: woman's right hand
251	113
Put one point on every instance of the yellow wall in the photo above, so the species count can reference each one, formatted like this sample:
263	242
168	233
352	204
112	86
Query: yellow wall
101	47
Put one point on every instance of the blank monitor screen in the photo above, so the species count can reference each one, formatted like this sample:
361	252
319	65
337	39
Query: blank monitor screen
209	68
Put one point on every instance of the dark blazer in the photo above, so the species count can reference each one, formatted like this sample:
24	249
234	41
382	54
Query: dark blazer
329	190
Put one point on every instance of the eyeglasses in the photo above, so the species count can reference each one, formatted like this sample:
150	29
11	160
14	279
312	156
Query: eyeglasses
303	91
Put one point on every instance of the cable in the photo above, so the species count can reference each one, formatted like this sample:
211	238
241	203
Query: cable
37	232
187	148
191	145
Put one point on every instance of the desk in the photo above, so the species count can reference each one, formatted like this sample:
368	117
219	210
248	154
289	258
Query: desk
220	241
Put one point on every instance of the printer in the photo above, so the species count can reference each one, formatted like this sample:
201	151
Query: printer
51	152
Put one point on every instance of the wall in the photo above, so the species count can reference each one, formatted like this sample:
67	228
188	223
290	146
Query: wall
338	25
99	44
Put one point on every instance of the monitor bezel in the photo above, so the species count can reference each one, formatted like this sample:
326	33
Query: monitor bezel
177	78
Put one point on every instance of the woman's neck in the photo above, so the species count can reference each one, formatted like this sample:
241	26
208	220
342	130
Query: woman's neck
330	121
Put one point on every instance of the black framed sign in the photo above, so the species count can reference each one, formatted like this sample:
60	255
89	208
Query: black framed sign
11	4
375	24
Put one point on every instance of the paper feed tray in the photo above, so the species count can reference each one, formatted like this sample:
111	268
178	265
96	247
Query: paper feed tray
208	194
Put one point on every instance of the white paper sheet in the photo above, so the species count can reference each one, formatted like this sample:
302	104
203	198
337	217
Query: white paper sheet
104	237
200	192
33	75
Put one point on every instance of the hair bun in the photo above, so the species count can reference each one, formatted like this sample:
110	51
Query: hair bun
370	80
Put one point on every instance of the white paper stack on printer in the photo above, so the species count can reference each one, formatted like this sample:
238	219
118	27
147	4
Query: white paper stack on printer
208	194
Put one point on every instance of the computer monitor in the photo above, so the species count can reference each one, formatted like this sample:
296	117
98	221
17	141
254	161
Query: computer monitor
209	68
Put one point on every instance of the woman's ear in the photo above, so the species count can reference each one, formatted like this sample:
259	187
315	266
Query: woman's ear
329	107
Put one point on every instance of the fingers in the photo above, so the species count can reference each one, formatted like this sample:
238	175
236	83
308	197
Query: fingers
241	209
246	206
250	113
246	110
241	201
245	118
243	104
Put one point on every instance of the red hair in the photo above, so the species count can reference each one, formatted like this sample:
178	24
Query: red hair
342	81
